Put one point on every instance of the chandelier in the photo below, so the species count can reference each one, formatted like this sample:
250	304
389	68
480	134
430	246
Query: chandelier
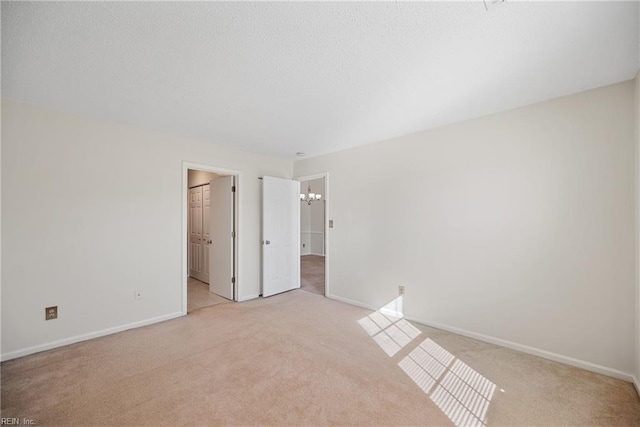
310	197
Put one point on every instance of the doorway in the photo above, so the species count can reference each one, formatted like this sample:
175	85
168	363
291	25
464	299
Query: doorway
210	210
313	235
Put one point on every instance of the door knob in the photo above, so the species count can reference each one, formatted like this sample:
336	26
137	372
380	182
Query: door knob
266	242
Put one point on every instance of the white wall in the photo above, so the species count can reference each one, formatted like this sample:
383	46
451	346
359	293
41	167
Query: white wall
518	226
312	220
1	274
198	177
637	329
81	232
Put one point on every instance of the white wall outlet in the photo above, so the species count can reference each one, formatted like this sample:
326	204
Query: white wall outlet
400	290
138	294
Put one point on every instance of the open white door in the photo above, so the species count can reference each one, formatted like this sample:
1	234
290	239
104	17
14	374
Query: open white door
281	235
222	237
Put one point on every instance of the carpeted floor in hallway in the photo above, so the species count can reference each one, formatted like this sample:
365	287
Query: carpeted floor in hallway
312	274
198	295
301	359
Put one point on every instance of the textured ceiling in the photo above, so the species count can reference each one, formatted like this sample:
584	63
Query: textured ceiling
277	78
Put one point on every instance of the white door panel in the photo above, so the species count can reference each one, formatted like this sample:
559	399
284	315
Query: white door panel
221	237
195	233
281	235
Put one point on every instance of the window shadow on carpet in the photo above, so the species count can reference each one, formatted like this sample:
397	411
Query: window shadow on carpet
461	393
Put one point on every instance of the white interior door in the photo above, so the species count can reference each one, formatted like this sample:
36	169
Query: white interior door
221	227
281	235
206	234
195	233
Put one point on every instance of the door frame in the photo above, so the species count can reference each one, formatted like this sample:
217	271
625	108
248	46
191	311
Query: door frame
327	202
185	212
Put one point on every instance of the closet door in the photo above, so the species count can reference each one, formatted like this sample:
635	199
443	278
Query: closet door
196	264
206	231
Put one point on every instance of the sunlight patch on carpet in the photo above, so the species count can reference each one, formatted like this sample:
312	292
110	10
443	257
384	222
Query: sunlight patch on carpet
388	328
460	392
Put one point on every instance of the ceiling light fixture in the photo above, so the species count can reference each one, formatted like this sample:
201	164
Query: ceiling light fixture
310	197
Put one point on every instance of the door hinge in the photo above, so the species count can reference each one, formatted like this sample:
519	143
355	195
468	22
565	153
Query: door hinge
233	280
233	189
233	234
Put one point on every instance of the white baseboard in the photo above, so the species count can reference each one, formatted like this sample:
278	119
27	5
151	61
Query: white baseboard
248	297
599	369
84	337
382	310
392	313
351	302
512	345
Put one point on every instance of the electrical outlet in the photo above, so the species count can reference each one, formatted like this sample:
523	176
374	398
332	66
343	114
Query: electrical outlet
51	313
400	290
138	294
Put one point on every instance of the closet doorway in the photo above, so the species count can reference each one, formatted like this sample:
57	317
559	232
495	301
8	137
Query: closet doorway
210	238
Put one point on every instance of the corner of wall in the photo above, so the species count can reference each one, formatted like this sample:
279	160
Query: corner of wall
637	218
0	231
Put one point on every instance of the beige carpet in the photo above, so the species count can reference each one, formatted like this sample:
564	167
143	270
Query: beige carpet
301	359
312	274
